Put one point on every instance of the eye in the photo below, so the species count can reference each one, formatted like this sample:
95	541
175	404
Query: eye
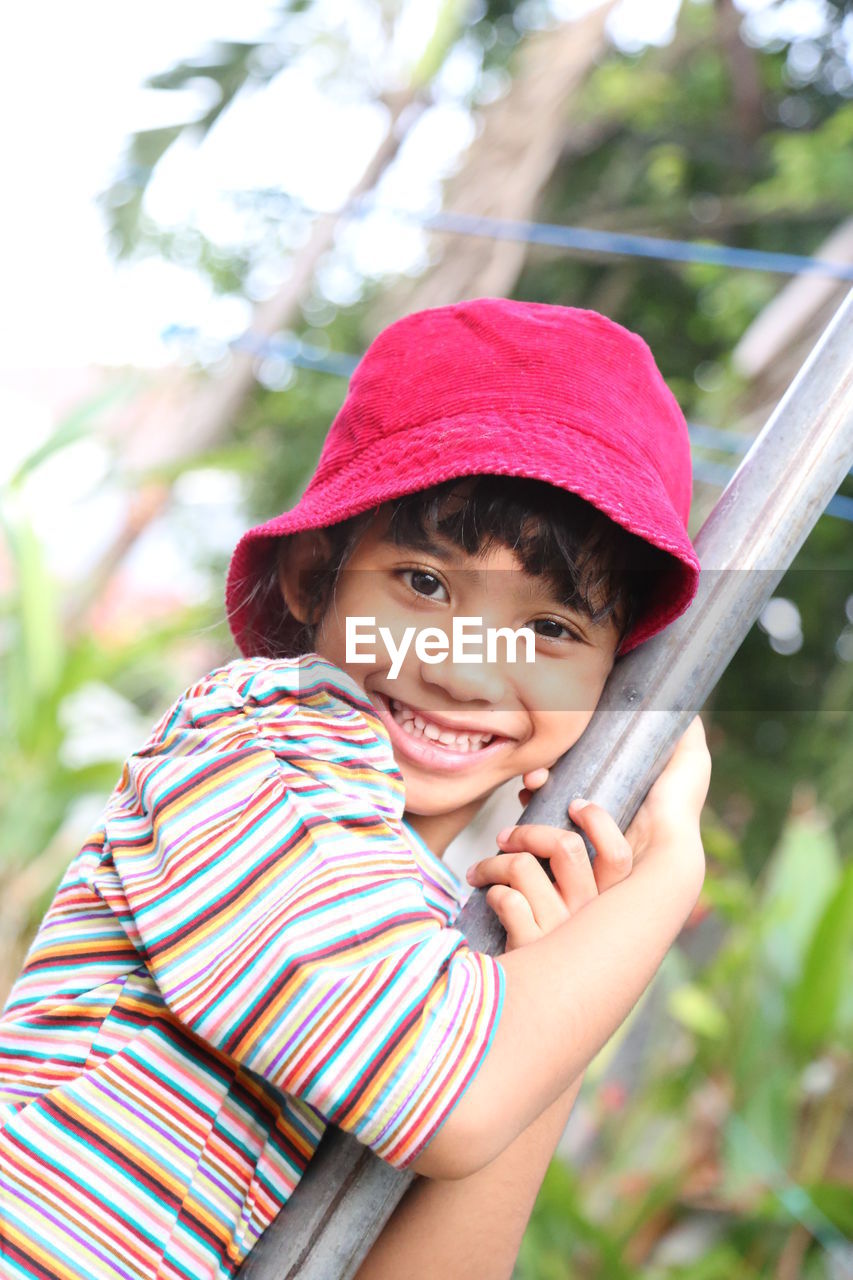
423	582
570	634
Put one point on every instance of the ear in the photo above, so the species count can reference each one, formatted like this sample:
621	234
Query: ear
299	555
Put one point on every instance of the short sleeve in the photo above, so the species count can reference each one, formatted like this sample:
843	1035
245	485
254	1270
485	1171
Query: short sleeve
277	903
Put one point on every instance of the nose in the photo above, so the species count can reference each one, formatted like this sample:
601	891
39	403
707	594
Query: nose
467	681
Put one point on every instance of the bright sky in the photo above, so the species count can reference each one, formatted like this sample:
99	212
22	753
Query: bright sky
71	79
76	97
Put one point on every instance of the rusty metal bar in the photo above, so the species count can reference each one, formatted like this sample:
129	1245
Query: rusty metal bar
745	546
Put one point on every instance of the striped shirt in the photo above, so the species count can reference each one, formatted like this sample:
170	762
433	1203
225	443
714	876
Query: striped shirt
252	944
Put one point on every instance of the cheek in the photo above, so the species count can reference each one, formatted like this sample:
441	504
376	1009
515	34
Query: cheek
556	731
567	687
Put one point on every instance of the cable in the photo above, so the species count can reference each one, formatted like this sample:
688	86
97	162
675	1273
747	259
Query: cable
585	239
308	356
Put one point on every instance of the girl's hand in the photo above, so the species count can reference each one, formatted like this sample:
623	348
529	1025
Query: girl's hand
522	896
533	780
669	815
668	818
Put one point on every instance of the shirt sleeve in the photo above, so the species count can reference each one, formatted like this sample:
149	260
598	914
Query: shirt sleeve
284	921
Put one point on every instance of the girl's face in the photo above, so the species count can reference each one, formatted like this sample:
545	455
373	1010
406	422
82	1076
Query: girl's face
533	710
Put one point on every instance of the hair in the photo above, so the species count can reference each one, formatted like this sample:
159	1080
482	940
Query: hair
595	566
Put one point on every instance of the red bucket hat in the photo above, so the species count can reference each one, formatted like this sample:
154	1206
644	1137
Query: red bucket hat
502	387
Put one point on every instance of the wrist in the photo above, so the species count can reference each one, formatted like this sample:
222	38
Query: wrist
682	855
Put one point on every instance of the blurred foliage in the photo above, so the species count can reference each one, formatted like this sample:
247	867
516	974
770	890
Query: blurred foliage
720	1155
226	69
73	700
710	1161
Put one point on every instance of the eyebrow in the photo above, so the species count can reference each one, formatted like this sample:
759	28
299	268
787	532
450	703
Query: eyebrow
446	551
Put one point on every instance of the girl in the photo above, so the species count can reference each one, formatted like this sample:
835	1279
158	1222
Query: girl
258	939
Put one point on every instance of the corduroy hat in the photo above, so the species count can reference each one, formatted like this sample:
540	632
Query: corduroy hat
502	387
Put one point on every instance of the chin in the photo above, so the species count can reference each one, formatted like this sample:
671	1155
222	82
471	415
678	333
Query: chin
423	801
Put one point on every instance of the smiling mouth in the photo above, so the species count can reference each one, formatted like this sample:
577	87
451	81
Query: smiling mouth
419	726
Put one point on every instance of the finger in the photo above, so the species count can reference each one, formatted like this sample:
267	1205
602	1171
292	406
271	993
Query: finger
691	743
569	861
693	757
682	784
514	912
524	873
535	837
614	856
573	872
533	780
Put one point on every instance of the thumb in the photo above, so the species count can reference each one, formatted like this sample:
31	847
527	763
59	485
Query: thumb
686	776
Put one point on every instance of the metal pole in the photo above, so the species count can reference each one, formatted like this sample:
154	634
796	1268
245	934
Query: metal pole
745	546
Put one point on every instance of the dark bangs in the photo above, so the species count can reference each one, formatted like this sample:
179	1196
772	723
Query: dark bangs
592	564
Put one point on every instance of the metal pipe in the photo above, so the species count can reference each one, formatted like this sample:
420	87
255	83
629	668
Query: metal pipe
745	546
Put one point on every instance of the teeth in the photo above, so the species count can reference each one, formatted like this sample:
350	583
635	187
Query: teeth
417	727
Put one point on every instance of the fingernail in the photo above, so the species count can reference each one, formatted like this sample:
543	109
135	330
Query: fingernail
578	803
505	834
469	874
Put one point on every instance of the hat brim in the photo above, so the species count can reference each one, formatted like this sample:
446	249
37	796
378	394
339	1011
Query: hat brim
431	454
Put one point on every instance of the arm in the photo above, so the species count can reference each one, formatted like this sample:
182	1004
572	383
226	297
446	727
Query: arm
565	996
569	990
473	1226
284	919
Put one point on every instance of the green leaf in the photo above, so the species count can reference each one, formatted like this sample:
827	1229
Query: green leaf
75	426
40	642
122	200
758	1141
835	1202
801	876
450	20
560	1227
698	1011
815	1000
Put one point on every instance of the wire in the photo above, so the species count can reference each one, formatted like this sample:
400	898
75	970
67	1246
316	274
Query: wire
308	356
304	354
585	239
